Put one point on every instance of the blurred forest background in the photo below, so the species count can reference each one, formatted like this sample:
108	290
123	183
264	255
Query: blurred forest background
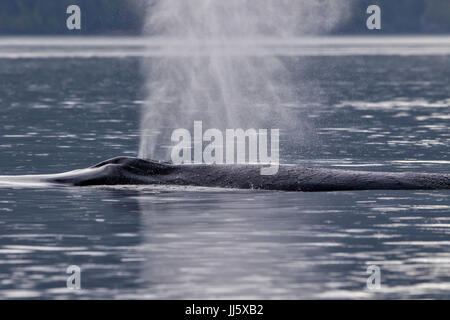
126	16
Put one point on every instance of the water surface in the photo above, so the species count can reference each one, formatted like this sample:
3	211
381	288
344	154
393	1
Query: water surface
383	111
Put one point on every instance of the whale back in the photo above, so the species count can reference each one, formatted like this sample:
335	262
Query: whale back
137	166
129	170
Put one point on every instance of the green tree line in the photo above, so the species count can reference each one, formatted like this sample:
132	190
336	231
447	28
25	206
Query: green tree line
49	16
401	16
127	16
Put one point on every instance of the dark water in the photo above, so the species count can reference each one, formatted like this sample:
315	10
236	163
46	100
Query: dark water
372	112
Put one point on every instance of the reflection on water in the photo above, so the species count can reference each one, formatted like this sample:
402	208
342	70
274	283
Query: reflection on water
371	112
200	243
122	47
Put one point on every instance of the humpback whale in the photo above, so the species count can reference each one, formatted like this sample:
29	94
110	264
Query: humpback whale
135	171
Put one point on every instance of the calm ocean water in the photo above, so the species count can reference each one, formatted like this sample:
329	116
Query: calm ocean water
381	106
